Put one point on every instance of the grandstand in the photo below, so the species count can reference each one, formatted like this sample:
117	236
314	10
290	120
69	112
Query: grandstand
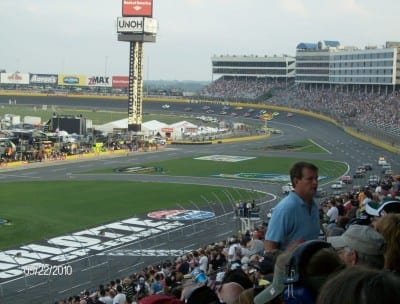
276	67
329	64
357	87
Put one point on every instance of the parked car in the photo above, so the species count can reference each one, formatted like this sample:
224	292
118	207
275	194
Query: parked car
362	169
275	131
337	185
382	161
158	140
367	166
359	174
385	167
388	172
373	180
286	189
346	179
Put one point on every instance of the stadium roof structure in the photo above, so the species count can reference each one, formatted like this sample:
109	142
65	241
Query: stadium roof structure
316	46
306	46
332	43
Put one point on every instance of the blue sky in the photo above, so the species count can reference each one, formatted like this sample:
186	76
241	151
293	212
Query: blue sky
79	36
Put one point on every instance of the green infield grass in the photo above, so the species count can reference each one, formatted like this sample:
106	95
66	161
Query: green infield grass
97	116
308	146
258	165
304	146
38	210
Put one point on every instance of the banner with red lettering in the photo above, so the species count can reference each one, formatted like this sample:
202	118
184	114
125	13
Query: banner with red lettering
120	81
137	8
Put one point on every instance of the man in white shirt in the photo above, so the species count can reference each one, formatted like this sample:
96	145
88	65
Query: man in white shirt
234	251
203	261
332	212
105	297
120	298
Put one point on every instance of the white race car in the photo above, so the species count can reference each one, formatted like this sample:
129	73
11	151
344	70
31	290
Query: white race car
337	185
286	189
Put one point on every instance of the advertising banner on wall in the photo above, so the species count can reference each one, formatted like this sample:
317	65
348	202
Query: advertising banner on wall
51	79
137	8
120	81
14	78
71	80
98	81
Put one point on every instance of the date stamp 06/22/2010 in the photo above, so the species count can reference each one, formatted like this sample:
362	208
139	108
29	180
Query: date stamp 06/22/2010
47	270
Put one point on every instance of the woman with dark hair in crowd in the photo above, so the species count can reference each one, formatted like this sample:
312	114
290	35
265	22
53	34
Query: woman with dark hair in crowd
360	285
389	227
217	260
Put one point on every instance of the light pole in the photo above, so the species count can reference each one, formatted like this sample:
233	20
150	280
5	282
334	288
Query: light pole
58	134
105	72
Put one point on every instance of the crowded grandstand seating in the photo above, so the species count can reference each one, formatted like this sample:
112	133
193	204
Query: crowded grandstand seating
378	109
365	111
235	89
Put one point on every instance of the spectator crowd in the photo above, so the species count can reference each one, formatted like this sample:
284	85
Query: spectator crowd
355	259
239	88
355	108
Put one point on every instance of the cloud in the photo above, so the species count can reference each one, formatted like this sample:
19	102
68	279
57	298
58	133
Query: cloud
350	7
294	6
195	2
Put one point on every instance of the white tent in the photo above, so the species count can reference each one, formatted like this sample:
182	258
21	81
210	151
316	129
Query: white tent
151	127
183	127
110	126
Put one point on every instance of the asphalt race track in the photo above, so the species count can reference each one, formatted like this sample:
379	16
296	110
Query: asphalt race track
89	271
